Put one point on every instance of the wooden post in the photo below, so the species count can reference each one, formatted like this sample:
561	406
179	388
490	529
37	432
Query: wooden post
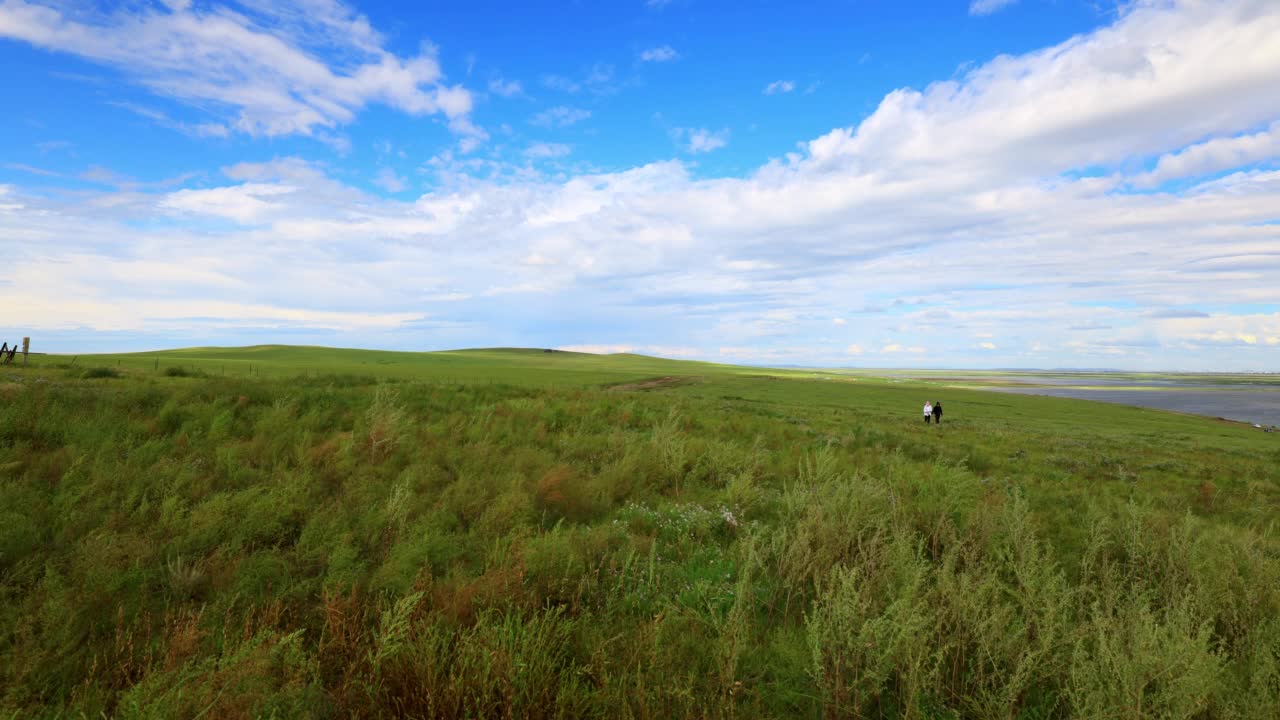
26	348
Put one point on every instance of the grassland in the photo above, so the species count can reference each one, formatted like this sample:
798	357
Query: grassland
306	532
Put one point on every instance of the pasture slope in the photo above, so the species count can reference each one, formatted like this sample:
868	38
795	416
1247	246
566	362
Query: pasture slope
310	532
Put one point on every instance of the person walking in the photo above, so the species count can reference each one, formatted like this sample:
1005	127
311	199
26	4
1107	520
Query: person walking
937	413
928	411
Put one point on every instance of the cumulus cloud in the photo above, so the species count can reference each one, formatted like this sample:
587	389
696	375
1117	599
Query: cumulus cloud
244	203
664	53
7	205
1097	99
779	86
544	151
895	348
986	7
1221	329
615	348
560	116
505	88
1214	155
700	140
561	83
388	180
270	69
999	204
1177	313
597	79
598	349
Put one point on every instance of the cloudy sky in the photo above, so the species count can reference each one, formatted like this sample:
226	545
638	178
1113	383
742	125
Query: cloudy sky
954	183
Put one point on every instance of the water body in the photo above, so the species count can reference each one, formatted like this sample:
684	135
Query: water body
1246	403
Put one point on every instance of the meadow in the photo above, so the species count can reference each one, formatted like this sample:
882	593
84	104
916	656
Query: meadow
308	532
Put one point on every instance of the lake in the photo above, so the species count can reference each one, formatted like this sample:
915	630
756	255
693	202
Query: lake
1240	400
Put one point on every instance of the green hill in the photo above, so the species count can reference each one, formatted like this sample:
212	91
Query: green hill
312	532
500	365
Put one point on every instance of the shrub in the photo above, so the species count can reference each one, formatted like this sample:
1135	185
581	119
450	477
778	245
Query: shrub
180	371
99	372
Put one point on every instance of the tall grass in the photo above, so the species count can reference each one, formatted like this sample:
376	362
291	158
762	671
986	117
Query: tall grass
337	547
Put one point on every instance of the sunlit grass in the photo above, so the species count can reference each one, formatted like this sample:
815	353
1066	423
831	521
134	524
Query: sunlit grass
507	533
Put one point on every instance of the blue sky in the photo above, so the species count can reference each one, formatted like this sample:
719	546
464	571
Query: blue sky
1025	183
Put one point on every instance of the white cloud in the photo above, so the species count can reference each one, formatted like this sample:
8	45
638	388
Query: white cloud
1214	155
895	348
597	78
598	349
1222	329
31	169
839	321
7	206
700	140
779	86
672	351
997	204
388	180
203	130
854	350
505	88
986	7
282	169
255	80
561	83
117	316
613	349
244	204
542	151
749	265
560	116
664	53
987	346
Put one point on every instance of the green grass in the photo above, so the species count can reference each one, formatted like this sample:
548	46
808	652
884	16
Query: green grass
307	532
511	366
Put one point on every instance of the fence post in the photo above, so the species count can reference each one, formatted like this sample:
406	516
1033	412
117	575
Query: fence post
26	349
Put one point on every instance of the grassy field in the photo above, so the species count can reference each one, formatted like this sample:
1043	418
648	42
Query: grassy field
308	532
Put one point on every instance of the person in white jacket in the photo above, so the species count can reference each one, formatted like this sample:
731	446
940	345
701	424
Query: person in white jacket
928	411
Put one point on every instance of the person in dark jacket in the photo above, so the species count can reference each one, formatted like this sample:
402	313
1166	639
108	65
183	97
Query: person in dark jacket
937	412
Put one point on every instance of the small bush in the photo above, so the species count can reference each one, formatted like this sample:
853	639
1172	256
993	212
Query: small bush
99	372
179	371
